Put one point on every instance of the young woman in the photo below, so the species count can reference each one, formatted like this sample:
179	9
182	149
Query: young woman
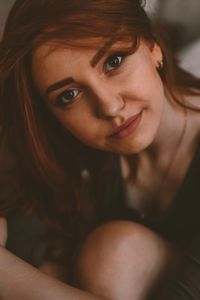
104	127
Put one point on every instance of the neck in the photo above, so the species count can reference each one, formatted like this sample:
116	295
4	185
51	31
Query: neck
170	134
163	150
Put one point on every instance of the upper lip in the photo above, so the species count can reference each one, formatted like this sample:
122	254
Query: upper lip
125	124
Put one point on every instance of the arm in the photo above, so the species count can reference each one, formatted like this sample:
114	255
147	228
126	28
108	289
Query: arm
21	281
53	269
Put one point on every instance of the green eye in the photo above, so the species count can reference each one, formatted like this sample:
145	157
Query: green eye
113	62
67	97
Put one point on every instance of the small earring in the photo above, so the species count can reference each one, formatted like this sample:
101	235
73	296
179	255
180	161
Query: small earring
160	65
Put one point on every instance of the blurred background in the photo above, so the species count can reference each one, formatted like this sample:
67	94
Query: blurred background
182	18
5	6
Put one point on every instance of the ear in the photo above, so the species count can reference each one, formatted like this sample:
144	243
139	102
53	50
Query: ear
156	53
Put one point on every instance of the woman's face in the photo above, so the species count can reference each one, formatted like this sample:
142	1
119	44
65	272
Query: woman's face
114	103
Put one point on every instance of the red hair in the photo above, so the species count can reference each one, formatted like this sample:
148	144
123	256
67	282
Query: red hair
48	161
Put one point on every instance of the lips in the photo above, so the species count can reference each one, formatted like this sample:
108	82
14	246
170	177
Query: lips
128	127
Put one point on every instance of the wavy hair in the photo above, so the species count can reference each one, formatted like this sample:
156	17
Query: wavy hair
49	162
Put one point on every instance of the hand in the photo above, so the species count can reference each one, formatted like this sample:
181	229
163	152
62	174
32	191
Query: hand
3	231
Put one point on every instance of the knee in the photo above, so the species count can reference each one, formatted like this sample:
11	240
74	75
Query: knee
121	259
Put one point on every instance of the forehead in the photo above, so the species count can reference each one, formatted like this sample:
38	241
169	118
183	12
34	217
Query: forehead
55	51
91	43
52	61
51	48
98	45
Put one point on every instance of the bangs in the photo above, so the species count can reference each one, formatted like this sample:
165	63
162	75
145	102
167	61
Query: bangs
72	23
79	32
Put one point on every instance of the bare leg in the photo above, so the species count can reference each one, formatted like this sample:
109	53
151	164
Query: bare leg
123	260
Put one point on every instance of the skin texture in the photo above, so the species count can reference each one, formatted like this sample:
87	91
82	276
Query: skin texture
123	260
108	97
28	283
107	269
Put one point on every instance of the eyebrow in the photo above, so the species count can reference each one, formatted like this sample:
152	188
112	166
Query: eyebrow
59	84
101	52
94	61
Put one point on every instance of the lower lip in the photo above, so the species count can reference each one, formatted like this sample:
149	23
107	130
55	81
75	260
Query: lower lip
130	128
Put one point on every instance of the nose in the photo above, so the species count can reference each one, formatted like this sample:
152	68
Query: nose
108	102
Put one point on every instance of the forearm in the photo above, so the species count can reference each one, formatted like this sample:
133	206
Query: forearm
53	270
21	281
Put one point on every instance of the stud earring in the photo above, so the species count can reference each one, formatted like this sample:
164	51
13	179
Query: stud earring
160	65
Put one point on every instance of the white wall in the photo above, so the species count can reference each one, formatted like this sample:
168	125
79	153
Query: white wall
5	6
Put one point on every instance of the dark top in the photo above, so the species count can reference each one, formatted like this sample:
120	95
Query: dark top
26	238
181	221
180	224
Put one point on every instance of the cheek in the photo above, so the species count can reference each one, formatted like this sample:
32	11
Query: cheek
143	82
147	92
78	123
87	134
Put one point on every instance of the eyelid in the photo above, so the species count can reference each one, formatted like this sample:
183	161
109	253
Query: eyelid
56	101
121	53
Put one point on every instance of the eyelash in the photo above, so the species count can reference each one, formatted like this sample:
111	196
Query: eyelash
60	102
111	58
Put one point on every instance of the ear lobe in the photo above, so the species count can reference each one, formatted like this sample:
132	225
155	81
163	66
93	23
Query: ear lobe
157	54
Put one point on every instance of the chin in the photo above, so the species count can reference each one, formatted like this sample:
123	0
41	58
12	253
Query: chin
136	147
